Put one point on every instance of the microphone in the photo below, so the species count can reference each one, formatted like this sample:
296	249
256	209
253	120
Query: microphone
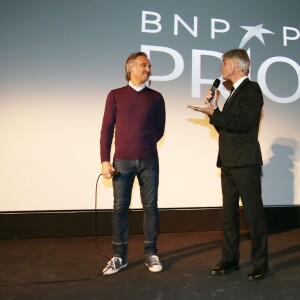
213	88
115	173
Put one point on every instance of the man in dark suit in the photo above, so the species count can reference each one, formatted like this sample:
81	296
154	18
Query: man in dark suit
240	161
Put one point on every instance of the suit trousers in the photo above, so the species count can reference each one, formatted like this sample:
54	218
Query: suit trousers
243	183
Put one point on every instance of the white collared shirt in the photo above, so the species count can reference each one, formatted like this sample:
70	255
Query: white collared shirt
137	88
237	84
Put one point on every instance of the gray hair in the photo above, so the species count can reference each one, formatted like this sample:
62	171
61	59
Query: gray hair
242	58
131	60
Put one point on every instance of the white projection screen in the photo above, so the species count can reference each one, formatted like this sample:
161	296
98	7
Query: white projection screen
60	58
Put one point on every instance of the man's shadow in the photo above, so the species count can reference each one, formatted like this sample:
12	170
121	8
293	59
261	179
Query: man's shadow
279	173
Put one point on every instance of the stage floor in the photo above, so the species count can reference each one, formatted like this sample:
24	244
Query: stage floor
70	268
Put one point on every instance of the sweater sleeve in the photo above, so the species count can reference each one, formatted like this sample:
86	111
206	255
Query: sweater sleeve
108	126
160	119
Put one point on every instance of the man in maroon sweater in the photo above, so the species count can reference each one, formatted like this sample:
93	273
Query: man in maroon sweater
136	114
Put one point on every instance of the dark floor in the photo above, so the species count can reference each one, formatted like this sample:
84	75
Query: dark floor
69	268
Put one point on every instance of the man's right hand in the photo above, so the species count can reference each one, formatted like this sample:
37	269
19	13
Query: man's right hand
106	169
214	101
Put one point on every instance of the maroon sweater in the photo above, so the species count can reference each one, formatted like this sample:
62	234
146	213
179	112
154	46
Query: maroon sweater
139	122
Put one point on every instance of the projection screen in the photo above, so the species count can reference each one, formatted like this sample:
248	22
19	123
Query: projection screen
60	58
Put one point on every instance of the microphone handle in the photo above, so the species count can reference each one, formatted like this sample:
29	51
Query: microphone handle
213	89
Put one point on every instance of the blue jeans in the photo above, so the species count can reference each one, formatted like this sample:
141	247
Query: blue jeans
147	172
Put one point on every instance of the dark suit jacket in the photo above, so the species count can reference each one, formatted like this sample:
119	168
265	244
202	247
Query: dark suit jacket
238	125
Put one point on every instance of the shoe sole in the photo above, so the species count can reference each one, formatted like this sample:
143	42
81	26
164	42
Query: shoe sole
153	271
225	273
107	274
258	278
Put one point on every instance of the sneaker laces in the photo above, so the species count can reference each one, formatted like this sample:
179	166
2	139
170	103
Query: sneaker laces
153	260
112	263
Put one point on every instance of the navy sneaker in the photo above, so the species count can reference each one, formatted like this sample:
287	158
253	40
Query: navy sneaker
114	266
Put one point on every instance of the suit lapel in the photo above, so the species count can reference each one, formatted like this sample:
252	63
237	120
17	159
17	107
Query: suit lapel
234	95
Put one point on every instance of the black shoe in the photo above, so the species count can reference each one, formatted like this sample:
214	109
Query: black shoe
258	273
223	268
